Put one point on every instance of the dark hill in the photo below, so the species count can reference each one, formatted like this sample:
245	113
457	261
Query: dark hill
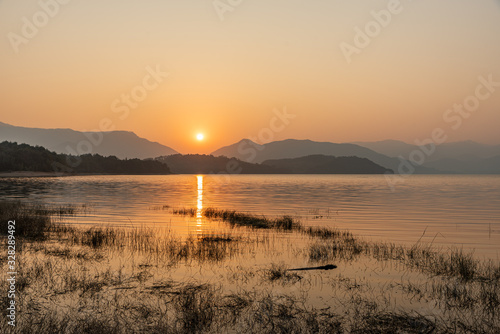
250	151
23	157
323	164
208	164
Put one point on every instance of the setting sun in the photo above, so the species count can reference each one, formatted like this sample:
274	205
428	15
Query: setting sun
200	136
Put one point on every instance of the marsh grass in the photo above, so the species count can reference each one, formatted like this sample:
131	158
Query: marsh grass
158	244
454	262
188	308
457	294
185	212
280	273
396	323
462	306
31	220
338	244
285	223
34	222
196	306
106	280
160	207
327	233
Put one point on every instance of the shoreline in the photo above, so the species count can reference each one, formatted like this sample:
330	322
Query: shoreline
31	174
54	174
412	289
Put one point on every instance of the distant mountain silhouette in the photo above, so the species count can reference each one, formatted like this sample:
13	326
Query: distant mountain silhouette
460	157
249	151
471	166
122	144
208	164
23	157
466	157
391	148
463	150
323	164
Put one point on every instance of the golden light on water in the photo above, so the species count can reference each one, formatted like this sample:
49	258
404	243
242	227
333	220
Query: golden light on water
199	204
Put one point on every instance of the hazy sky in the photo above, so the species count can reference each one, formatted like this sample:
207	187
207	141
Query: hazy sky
76	65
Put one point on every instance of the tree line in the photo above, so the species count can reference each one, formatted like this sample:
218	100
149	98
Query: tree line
24	157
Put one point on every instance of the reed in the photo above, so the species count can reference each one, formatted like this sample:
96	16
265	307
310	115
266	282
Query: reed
234	218
339	244
279	272
31	220
111	280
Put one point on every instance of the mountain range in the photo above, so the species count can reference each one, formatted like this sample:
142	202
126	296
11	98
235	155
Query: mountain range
458	157
313	164
466	157
250	151
208	164
122	144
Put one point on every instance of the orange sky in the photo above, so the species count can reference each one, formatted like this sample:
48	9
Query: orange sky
226	78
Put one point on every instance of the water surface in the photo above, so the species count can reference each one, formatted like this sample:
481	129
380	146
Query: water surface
448	211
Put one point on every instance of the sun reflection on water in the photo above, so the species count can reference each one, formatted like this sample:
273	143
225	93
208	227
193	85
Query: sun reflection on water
199	205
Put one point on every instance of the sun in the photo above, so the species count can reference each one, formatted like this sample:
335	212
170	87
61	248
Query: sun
200	136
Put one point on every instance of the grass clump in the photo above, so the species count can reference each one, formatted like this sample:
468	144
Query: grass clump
30	220
123	280
285	223
281	273
158	245
338	244
327	233
195	305
396	323
97	237
33	220
185	212
452	263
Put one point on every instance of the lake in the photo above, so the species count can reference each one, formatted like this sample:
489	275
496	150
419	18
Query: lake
462	211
